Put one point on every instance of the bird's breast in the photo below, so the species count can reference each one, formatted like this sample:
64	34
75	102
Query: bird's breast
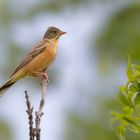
49	55
43	60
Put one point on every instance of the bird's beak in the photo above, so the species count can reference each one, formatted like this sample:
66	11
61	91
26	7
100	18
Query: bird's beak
62	33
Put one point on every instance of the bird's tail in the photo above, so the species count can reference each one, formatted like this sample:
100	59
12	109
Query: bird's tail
6	86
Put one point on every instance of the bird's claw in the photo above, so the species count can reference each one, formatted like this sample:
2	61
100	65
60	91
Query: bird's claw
45	76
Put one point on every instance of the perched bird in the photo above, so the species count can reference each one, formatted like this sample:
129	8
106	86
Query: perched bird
38	60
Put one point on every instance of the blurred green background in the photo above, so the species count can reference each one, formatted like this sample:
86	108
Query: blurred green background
85	78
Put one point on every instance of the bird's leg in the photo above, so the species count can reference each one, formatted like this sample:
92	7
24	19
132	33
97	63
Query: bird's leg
45	74
44	83
41	75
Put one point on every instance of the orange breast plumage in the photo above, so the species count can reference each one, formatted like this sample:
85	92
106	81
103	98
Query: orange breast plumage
42	61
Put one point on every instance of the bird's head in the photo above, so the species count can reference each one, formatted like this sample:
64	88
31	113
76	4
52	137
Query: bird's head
53	33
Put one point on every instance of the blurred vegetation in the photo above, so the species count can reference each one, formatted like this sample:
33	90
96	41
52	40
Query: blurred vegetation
5	131
98	126
93	128
121	35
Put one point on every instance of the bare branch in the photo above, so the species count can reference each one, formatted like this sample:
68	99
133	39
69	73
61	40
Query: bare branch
30	117
39	113
35	132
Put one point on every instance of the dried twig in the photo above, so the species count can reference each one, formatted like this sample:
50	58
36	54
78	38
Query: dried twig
30	117
39	113
35	132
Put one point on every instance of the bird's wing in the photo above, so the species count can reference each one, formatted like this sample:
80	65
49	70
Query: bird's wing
33	54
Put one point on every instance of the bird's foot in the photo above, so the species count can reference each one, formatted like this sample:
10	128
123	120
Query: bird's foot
41	75
45	76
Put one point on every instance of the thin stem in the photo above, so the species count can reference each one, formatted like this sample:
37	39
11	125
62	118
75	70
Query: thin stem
35	132
39	113
30	117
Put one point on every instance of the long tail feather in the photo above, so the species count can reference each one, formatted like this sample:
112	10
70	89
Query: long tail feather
6	86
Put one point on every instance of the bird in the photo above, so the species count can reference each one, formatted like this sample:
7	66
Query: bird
37	61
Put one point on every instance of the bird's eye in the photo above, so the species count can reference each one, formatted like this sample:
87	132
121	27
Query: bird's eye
53	32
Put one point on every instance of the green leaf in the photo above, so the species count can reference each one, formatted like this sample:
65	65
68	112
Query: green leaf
134	98
137	76
124	98
121	132
137	98
130	72
130	95
131	119
134	129
128	110
116	114
133	86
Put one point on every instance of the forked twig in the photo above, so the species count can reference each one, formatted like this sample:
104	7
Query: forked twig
35	132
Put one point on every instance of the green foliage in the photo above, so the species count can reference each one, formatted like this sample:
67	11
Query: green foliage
129	118
5	131
87	129
120	35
